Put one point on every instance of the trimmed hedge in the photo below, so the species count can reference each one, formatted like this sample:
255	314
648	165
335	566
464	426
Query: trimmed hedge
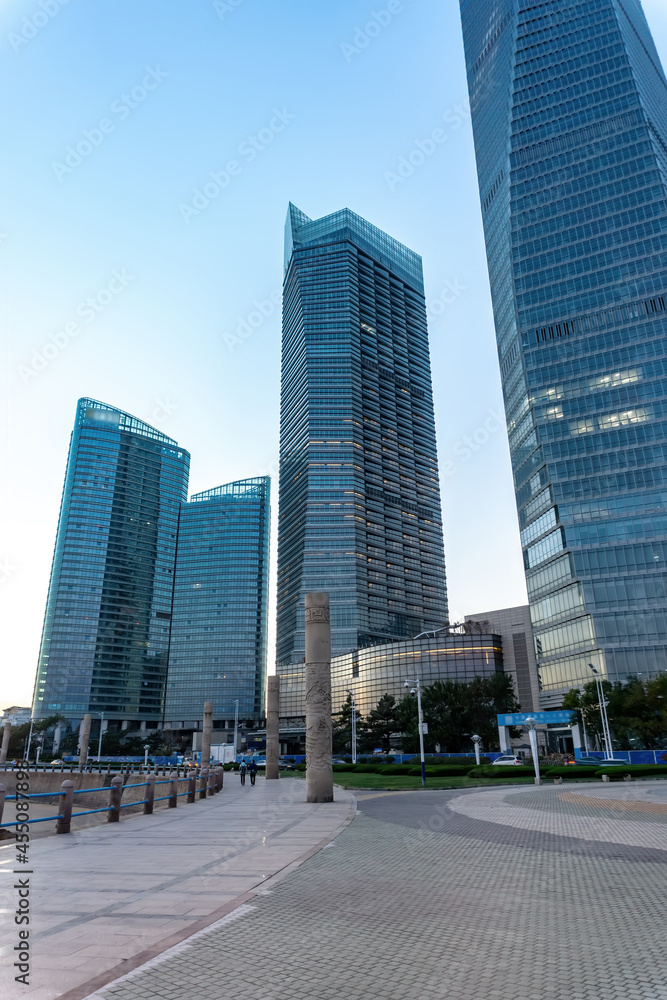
397	769
571	772
503	771
345	767
634	770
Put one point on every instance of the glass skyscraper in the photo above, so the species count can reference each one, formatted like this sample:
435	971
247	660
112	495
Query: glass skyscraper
220	607
359	507
569	111
105	640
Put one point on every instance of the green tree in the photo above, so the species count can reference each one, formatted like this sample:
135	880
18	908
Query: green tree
454	710
381	724
342	728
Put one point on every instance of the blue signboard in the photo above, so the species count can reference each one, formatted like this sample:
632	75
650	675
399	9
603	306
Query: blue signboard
518	718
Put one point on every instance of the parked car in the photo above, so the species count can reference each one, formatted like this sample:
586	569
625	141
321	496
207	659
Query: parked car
286	765
508	759
589	760
54	763
339	760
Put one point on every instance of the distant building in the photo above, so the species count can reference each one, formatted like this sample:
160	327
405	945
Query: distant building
220	608
105	640
514	627
359	508
377	670
569	114
15	716
155	604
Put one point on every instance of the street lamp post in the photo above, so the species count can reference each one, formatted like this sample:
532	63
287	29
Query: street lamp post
603	713
531	726
416	689
99	742
354	727
27	752
477	740
146	749
236	726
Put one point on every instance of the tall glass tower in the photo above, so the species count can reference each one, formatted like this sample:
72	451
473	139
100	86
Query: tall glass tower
569	110
219	616
106	630
359	509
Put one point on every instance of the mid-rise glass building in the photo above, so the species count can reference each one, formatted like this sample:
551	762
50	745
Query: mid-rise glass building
105	640
359	505
569	111
375	671
220	605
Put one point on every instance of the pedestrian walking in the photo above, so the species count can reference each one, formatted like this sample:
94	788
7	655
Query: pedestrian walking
253	771
242	771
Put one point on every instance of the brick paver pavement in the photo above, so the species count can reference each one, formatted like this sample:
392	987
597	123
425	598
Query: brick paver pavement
430	894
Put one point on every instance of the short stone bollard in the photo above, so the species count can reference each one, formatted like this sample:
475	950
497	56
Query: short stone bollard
192	788
558	781
627	777
115	794
605	777
211	782
173	790
220	775
3	793
65	802
203	781
150	794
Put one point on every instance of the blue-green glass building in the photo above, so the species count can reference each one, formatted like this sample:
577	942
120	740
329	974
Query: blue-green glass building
359	505
105	639
569	111
220	605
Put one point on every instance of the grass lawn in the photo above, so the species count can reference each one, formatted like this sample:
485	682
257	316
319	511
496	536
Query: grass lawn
408	782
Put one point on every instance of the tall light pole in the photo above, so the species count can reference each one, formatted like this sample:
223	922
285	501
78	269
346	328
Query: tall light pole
531	726
416	689
99	742
27	752
603	713
477	740
354	726
236	725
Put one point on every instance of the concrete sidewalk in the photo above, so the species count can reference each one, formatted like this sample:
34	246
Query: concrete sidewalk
109	898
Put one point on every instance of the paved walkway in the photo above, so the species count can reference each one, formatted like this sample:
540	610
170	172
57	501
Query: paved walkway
450	895
109	897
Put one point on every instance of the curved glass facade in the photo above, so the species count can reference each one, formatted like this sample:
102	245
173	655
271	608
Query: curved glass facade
569	110
377	670
220	607
359	512
105	640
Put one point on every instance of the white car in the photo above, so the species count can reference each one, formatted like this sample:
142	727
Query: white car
507	759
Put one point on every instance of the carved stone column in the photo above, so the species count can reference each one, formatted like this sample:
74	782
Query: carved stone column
6	733
319	773
272	726
84	738
206	734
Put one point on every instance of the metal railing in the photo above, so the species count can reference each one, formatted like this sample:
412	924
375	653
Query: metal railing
209	781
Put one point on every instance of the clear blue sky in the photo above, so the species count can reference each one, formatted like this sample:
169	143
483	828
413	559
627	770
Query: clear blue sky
181	87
